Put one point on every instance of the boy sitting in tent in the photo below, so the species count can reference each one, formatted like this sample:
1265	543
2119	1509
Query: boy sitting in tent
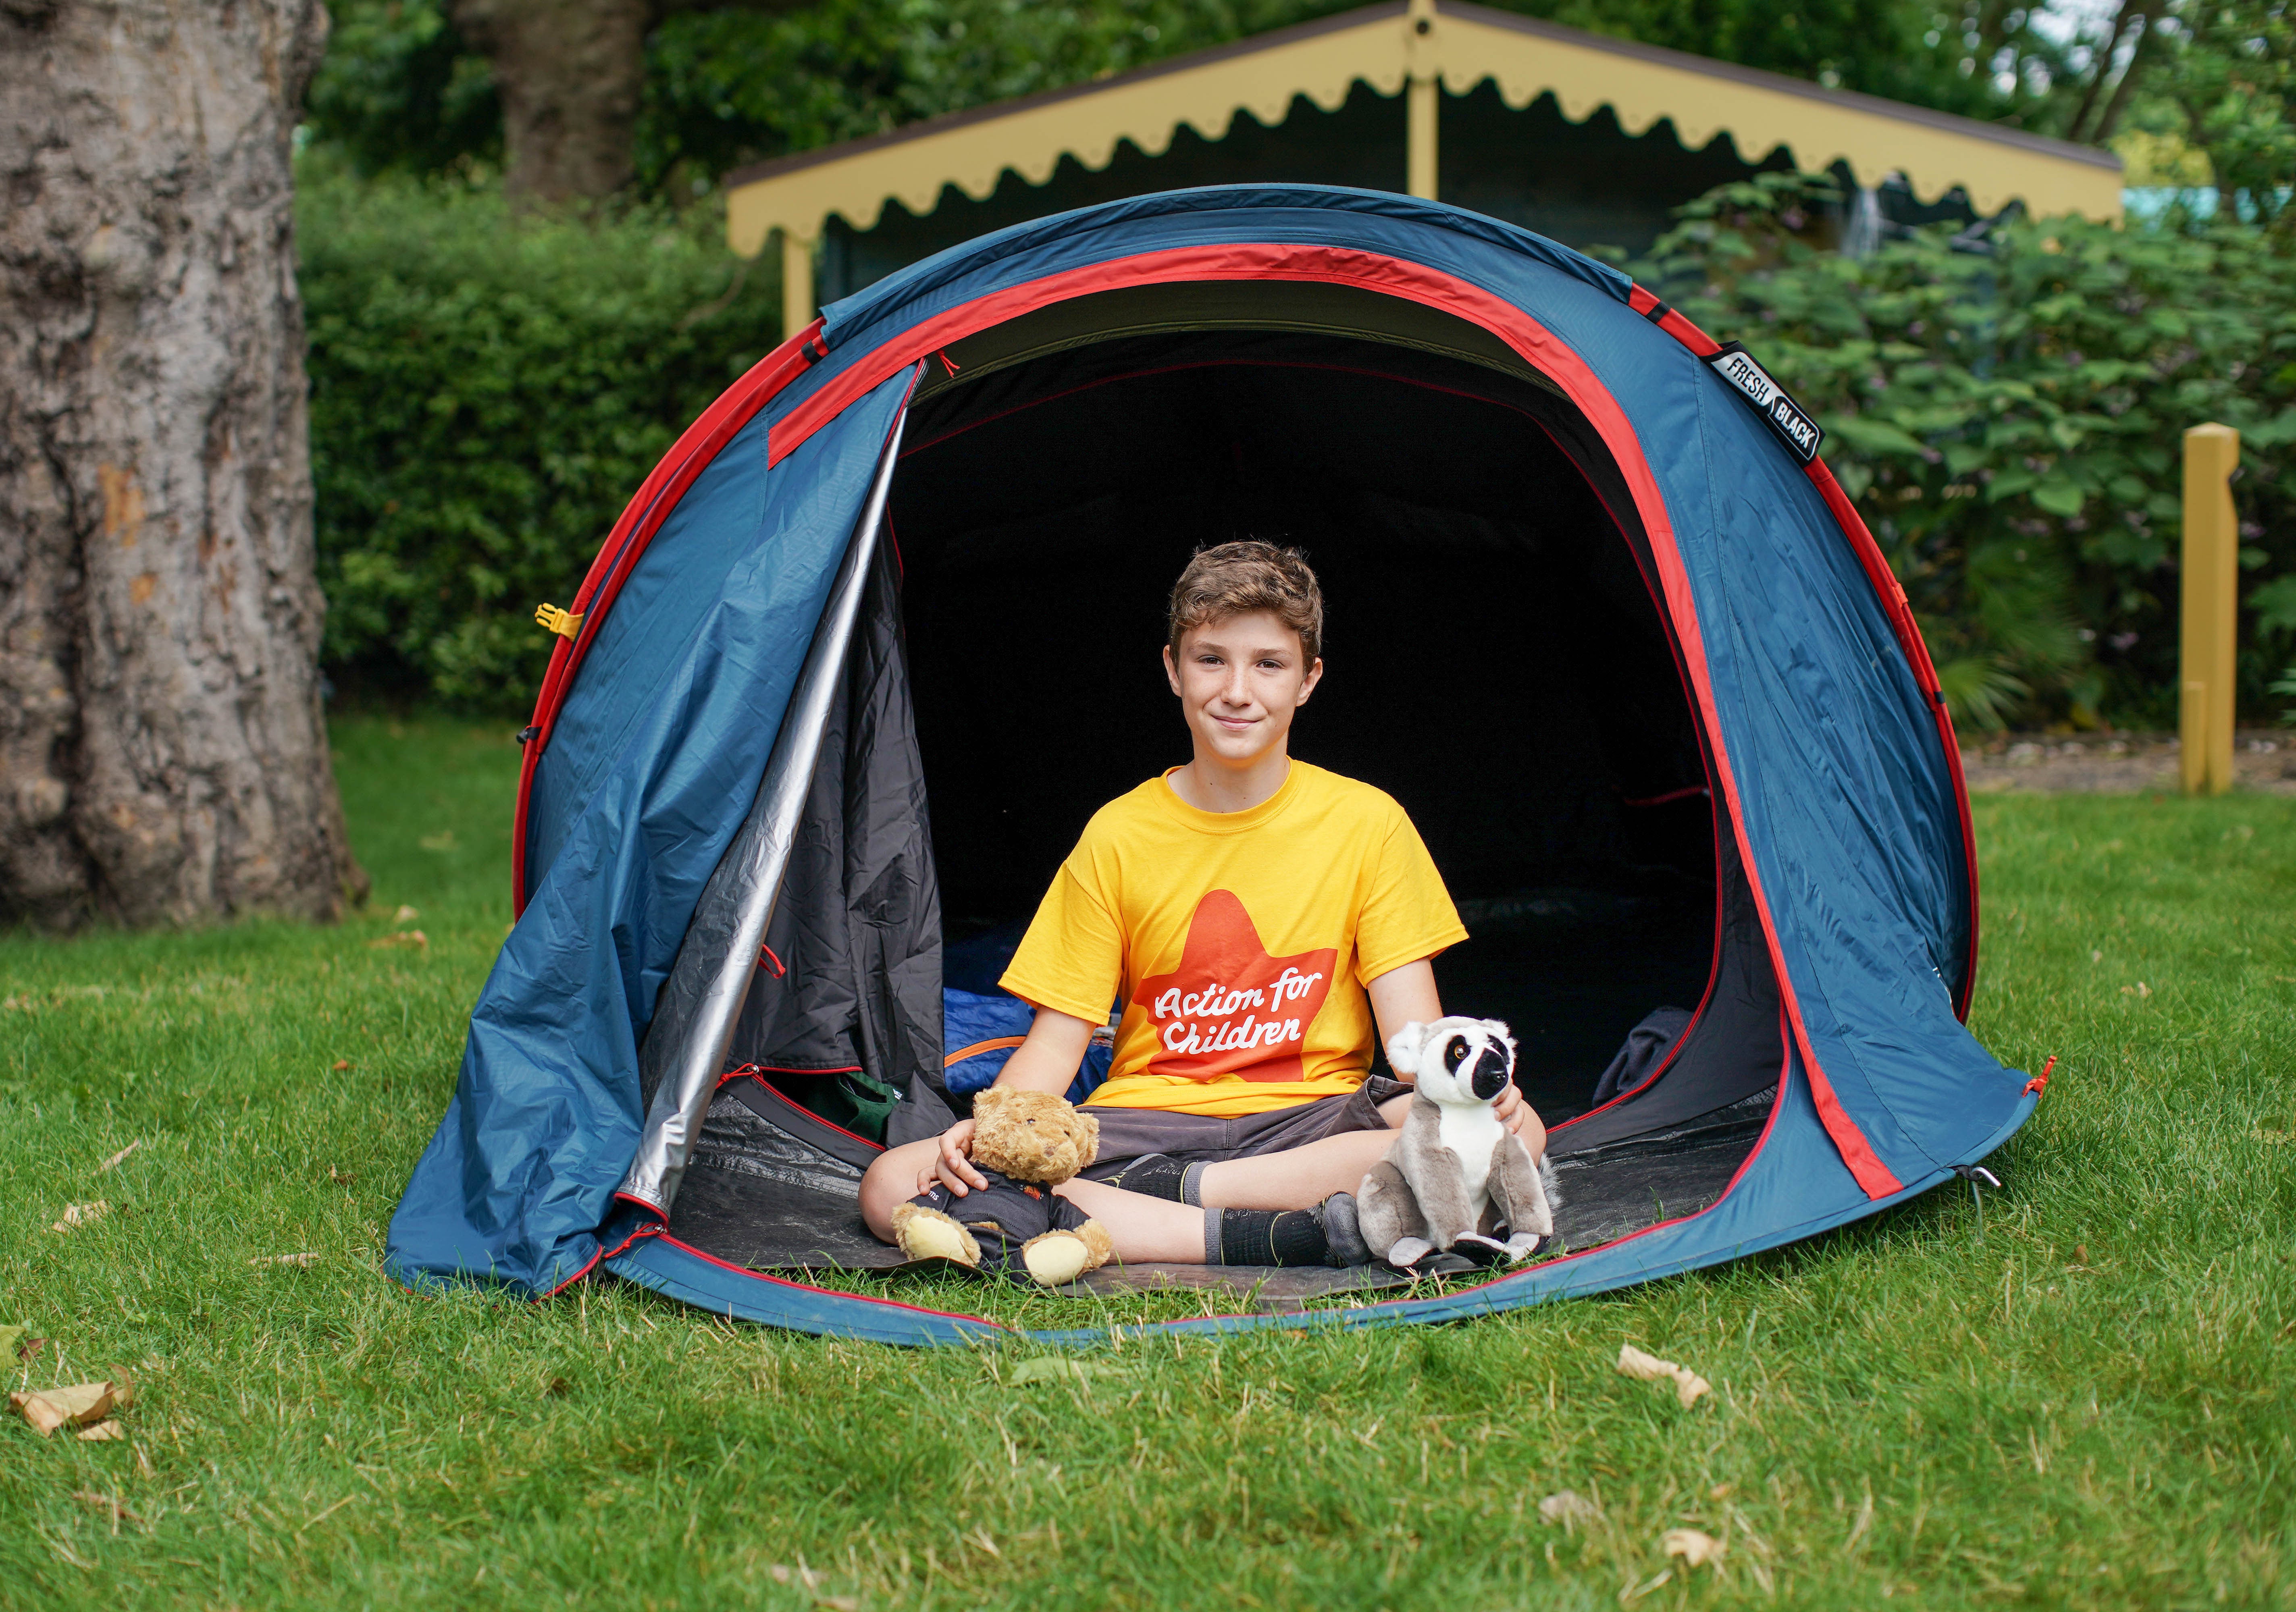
1259	915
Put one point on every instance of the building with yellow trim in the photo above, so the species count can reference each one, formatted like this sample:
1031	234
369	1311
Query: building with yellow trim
1587	139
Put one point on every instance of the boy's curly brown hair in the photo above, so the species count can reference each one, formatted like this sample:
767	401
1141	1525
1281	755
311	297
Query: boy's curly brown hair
1237	578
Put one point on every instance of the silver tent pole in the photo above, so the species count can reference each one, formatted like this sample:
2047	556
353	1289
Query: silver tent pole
693	1019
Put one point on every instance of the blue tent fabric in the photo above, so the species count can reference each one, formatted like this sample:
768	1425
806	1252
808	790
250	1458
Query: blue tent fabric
666	737
1846	803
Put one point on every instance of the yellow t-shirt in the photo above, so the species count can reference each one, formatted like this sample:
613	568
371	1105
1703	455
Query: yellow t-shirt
1228	933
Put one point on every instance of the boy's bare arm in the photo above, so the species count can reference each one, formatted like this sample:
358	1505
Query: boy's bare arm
1048	1059
1404	995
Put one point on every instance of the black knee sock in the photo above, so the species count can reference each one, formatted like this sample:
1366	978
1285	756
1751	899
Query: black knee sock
1265	1236
1155	1175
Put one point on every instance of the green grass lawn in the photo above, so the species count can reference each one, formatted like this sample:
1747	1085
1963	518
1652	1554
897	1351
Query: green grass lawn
2091	1405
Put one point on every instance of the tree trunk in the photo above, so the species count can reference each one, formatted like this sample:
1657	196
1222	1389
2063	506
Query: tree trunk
570	73
162	755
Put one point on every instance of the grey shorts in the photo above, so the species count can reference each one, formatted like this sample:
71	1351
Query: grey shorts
1129	1133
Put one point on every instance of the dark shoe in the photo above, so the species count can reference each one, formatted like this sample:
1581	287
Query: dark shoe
1341	1233
1152	1175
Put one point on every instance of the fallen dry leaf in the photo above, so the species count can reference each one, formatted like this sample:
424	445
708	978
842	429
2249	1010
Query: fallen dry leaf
412	939
1568	1507
1689	1387
1721	1491
81	1403
81	1214
113	1162
282	1259
29	1347
102	1432
1696	1550
405	915
341	1064
1649	1367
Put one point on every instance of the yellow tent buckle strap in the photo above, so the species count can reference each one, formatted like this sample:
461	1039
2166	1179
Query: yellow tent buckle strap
564	623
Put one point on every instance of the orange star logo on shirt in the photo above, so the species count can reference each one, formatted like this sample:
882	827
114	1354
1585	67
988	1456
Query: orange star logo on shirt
1228	1007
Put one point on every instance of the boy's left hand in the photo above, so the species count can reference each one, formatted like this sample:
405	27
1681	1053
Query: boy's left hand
1521	1118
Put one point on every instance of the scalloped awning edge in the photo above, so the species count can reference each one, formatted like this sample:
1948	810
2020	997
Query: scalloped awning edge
1378	46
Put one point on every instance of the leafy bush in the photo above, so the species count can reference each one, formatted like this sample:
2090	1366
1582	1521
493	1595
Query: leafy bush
2008	414
486	392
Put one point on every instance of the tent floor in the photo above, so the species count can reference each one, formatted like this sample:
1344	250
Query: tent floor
807	1218
796	1226
1610	1192
801	1230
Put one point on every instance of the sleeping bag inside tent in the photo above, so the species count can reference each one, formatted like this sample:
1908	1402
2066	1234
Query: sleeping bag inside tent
882	631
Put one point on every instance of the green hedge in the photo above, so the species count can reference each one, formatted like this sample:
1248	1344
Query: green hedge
2008	414
485	393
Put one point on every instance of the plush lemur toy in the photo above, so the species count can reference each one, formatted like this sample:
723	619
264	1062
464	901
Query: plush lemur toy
1026	1143
1456	1178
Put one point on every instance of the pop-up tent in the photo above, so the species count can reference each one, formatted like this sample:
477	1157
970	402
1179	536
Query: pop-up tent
881	631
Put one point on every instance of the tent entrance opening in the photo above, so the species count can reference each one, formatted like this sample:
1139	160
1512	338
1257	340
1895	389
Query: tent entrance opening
1494	657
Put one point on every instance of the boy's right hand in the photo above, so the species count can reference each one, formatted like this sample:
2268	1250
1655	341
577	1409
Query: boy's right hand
952	1165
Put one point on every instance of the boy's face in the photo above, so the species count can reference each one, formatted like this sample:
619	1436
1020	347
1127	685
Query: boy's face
1240	678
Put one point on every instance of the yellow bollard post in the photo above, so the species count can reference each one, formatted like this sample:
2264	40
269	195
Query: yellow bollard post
2210	586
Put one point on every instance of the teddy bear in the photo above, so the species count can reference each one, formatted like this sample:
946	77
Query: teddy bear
1026	1143
1456	1178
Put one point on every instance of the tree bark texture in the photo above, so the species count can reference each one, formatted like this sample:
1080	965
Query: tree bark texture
162	753
571	74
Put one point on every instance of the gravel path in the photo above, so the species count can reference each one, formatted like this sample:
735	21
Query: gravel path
2263	760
